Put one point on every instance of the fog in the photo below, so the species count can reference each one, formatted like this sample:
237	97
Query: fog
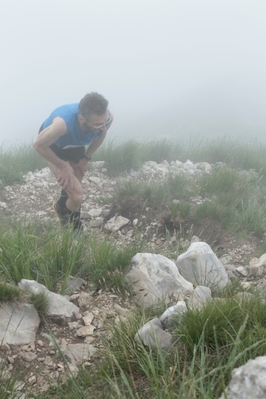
179	69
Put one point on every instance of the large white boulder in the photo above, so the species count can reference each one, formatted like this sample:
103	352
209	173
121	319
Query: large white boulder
200	266
154	278
248	381
199	297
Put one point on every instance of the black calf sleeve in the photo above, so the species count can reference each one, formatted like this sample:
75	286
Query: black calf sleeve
62	199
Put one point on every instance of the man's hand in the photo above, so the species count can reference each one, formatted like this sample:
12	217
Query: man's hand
82	166
65	176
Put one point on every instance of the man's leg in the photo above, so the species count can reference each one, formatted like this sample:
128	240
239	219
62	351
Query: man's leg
63	195
62	199
77	225
73	202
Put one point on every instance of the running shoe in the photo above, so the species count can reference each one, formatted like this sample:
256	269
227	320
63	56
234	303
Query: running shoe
75	220
62	214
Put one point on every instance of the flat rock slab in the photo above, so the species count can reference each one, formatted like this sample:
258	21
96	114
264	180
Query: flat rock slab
116	223
18	323
58	305
78	352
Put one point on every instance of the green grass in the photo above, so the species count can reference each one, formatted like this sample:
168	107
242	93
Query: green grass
107	265
233	198
209	342
18	160
40	302
132	154
119	158
7	385
47	258
8	293
50	256
15	161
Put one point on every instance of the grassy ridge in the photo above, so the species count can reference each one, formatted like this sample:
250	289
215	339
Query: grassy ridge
18	160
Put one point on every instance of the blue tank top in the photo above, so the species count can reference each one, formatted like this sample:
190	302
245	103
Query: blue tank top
74	136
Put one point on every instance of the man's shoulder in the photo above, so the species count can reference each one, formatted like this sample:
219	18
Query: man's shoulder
67	109
67	112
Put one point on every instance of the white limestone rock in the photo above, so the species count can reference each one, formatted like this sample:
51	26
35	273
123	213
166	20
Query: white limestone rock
58	305
200	266
78	352
257	267
173	314
199	296
155	278
248	381
116	223
152	334
18	323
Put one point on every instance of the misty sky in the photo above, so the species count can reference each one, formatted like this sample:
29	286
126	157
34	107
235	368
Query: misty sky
169	68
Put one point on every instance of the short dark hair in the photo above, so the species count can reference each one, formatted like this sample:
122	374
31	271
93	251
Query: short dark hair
92	103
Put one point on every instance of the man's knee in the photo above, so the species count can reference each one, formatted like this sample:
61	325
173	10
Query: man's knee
76	197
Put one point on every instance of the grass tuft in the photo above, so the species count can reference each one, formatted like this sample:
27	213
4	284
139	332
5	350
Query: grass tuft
8	293
40	302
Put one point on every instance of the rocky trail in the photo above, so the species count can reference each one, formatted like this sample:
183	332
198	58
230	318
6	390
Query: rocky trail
80	335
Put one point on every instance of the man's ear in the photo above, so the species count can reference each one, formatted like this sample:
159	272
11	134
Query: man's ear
80	118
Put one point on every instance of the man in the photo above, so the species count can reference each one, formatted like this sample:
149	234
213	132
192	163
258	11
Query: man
67	139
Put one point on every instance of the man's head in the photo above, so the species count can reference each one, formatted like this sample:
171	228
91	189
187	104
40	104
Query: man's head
93	112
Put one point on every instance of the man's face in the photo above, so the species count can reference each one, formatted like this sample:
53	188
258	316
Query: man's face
94	123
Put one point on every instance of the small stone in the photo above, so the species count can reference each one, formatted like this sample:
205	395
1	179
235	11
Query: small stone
73	325
4	347
29	356
89	340
77	315
241	270
56	374
86	330
32	380
87	318
121	311
48	361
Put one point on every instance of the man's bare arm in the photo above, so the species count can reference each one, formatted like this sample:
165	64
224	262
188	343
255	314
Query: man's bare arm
46	138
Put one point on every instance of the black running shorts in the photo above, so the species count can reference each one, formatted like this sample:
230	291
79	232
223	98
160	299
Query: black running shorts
74	154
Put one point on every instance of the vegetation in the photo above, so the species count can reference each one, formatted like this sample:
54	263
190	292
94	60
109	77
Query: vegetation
40	302
49	257
209	342
8	293
16	161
